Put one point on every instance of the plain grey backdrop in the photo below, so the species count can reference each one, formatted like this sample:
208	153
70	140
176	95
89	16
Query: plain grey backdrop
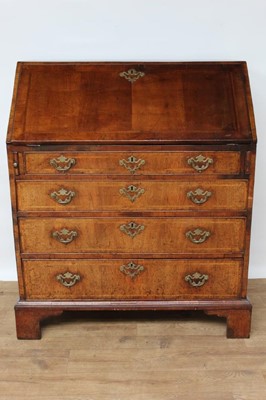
122	30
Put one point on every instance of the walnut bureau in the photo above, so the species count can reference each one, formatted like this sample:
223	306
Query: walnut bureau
132	188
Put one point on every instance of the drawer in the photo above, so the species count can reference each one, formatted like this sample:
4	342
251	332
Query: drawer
139	235
132	279
134	163
133	196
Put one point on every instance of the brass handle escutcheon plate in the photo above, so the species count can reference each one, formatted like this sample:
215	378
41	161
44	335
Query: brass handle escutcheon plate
65	236
132	229
132	164
131	75
199	196
131	192
131	269
200	163
62	164
68	279
63	196
198	235
197	279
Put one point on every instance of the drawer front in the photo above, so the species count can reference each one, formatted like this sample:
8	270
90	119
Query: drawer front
134	163
132	196
125	235
132	279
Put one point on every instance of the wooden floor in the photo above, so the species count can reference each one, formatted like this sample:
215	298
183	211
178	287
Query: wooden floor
144	356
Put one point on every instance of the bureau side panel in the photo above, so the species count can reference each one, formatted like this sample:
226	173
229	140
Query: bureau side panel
250	162
13	170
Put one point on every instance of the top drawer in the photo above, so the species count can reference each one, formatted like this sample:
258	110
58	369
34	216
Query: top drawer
133	163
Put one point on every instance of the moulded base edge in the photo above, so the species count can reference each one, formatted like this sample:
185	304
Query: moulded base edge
29	314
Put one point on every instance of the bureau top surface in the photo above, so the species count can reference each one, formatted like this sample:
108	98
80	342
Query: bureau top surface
138	103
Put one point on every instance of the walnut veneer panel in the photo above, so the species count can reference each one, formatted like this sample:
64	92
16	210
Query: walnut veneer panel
154	235
157	279
187	102
123	195
155	163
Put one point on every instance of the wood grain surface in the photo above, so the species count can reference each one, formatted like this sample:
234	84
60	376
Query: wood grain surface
131	196
132	356
155	162
157	279
159	235
91	102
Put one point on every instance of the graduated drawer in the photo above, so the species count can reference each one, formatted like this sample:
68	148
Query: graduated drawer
133	196
132	279
126	235
127	163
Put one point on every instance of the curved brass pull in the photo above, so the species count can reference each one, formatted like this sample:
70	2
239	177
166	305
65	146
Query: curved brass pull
198	235
200	163
132	164
197	279
62	164
68	279
131	269
131	75
131	192
132	229
63	196
199	196
64	236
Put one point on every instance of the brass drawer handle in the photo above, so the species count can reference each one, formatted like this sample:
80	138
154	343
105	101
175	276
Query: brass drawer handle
65	236
63	196
132	229
199	196
62	164
198	235
131	192
200	163
68	279
131	269
132	164
131	75
197	279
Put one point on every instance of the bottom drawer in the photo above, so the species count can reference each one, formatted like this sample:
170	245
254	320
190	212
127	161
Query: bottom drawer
132	279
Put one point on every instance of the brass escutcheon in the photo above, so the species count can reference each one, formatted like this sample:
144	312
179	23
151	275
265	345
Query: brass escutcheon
198	235
132	75
63	196
62	164
68	279
197	279
132	164
64	236
132	229
199	196
131	192
200	163
132	269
